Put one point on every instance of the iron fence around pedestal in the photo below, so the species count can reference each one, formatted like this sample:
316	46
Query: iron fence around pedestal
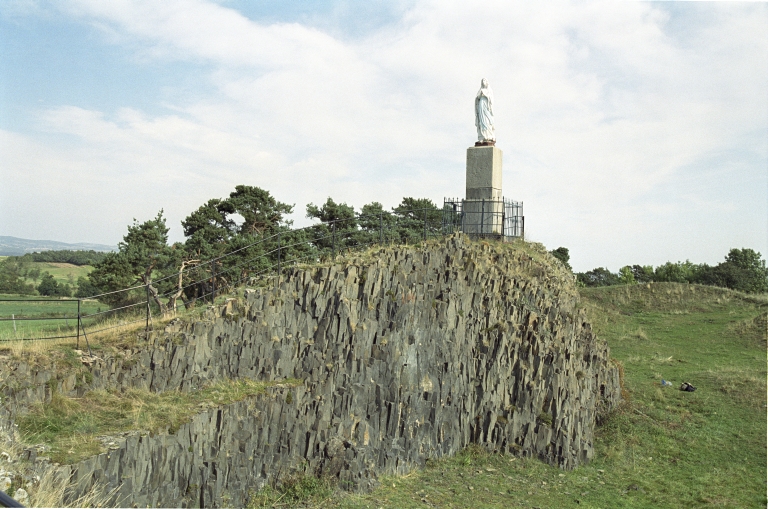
484	217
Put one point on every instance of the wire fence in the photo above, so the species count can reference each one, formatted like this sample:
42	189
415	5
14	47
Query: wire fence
201	281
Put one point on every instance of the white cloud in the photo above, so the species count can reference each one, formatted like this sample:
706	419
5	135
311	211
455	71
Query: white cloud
603	110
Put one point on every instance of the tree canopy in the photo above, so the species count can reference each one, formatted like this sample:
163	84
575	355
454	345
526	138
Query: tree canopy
52	288
11	278
65	256
143	255
245	234
743	270
561	253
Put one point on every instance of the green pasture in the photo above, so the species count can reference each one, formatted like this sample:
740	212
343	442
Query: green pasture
61	316
61	272
663	448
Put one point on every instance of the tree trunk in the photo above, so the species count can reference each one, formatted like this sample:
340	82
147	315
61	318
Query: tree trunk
147	280
180	286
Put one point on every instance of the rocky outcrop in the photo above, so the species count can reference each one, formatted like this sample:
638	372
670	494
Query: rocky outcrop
405	354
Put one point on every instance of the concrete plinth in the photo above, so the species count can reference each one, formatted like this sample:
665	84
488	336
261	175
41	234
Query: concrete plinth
483	207
483	173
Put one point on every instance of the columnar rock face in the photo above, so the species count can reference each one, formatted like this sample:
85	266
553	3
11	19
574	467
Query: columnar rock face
405	354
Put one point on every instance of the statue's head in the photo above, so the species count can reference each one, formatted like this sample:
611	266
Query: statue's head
483	83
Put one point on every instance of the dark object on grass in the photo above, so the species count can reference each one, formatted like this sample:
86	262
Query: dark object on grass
6	501
687	387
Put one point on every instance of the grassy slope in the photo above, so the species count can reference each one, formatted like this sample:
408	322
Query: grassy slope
664	447
61	272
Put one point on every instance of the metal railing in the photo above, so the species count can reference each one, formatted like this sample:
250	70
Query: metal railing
484	218
266	257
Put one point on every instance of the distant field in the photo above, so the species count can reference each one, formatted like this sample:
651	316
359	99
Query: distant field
62	272
62	314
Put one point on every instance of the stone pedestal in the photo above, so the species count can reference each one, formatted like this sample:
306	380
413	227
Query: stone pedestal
483	173
484	205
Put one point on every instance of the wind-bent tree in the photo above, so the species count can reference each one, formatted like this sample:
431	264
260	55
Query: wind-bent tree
411	215
236	237
209	229
261	213
142	257
338	227
377	224
341	227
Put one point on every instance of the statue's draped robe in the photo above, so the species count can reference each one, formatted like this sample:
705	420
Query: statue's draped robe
484	116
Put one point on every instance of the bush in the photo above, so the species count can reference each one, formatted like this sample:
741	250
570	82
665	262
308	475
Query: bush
85	288
598	277
627	276
51	288
561	253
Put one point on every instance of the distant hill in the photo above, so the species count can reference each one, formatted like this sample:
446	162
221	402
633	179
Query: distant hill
13	246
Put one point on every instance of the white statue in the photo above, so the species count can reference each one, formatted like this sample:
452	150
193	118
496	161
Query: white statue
484	113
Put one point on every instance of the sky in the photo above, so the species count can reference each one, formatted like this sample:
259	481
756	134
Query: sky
633	132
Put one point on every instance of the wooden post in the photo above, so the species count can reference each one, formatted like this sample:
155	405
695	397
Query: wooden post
78	324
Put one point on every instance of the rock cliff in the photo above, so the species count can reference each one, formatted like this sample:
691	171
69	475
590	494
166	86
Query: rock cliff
405	353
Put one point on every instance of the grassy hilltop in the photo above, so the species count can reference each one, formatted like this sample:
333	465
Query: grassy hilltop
663	448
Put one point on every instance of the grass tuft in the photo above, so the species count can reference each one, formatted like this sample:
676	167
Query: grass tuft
77	428
298	491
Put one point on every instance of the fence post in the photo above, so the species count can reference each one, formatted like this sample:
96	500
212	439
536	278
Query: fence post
503	223
425	224
381	227
482	219
213	273
78	324
146	328
278	260
333	240
88	344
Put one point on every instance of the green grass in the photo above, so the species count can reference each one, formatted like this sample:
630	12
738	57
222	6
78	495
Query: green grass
61	272
663	447
71	427
63	316
301	490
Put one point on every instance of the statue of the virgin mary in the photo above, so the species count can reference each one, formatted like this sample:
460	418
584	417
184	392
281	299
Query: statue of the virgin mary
484	114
